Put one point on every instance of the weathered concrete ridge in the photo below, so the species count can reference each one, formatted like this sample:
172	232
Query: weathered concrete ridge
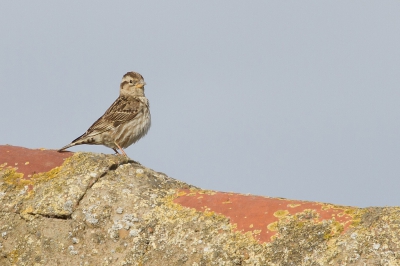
96	209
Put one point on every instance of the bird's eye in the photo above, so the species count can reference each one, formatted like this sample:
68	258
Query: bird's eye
131	81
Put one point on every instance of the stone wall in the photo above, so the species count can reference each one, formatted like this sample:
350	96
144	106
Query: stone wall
95	209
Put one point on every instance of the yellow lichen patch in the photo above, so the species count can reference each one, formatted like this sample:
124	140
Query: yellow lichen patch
349	211
26	163
40	177
226	202
208	213
293	205
248	234
273	226
14	256
327	207
194	191
12	177
300	224
336	229
169	201
29	209
355	214
181	193
356	220
179	211
206	192
281	213
251	226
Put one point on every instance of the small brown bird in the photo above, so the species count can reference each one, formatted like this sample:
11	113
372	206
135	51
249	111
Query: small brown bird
125	122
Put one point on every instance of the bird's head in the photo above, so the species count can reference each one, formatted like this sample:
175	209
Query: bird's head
132	84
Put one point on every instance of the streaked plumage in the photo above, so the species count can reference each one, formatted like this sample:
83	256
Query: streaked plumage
125	122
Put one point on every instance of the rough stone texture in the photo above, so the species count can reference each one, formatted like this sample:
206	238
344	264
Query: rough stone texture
96	209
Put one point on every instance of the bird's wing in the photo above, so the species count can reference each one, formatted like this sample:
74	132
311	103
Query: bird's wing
122	110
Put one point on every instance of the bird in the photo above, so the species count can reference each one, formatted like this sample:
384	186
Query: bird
126	121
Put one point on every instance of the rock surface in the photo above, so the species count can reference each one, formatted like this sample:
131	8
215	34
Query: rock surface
96	209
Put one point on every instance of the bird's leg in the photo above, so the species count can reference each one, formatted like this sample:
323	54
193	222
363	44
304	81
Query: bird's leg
122	150
116	151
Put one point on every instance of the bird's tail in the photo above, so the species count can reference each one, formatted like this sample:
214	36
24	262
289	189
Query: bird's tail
78	141
67	146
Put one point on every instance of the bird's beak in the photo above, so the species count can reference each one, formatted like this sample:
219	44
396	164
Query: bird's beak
140	85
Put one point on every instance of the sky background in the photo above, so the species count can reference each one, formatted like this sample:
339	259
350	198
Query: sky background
293	99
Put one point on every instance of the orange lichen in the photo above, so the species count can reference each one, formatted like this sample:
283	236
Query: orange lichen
250	212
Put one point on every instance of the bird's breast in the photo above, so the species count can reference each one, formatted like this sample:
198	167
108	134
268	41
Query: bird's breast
130	132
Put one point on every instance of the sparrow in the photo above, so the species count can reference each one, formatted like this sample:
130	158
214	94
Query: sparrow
125	122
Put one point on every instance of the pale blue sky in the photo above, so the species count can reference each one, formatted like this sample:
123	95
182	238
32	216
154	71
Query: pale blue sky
294	99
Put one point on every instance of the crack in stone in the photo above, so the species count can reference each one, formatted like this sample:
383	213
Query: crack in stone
60	217
112	167
22	215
